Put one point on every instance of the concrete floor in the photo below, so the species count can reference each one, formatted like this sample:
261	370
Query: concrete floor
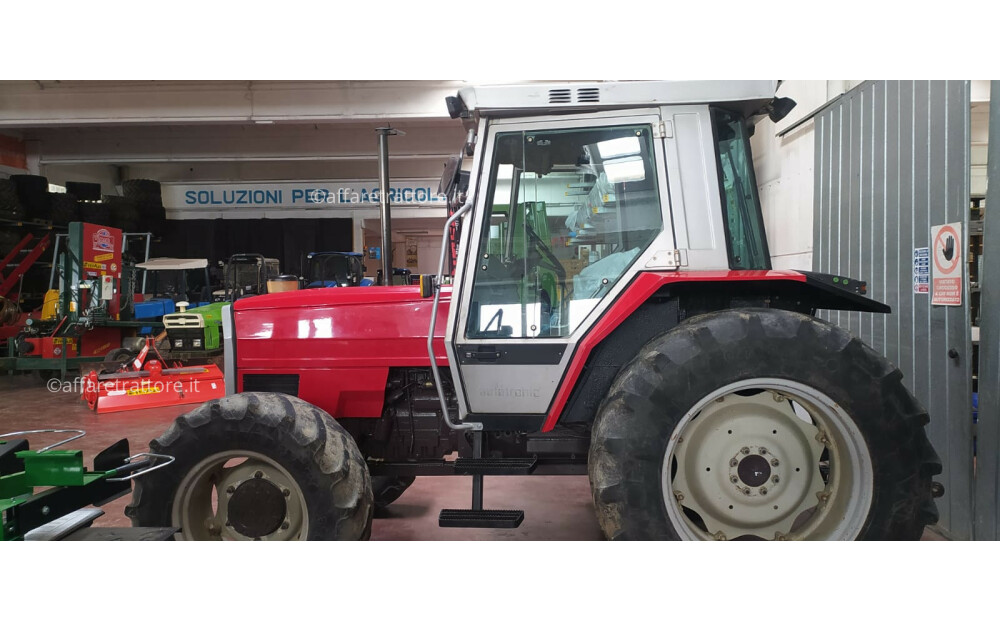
556	507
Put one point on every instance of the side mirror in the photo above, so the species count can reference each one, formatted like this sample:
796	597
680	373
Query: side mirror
426	286
450	176
779	108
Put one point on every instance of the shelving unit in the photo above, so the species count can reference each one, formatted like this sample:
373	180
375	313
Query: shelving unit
31	289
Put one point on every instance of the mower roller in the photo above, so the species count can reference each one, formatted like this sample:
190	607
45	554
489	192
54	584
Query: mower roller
145	383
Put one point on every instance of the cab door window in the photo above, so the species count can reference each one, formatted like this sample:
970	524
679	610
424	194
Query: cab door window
568	213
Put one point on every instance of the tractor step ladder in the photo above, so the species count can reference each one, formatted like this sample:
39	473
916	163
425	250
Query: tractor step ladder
494	467
451	517
7	282
477	467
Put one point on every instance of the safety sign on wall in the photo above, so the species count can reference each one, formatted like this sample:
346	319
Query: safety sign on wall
922	270
946	264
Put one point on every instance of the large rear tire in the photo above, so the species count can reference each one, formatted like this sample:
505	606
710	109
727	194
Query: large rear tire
761	424
257	466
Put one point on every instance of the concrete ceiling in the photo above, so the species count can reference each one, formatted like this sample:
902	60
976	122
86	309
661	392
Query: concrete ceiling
225	130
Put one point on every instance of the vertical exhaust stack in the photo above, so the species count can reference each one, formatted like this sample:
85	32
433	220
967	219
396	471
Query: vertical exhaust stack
383	195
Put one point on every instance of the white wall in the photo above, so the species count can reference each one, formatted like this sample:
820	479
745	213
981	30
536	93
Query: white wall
979	136
784	166
784	169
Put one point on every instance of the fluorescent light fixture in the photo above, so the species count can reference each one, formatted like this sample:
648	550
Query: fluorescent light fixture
623	170
619	147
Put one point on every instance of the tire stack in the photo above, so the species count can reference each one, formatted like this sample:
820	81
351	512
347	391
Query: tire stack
64	209
33	194
124	213
145	194
10	205
95	213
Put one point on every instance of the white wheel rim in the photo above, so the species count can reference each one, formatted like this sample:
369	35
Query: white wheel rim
201	503
749	466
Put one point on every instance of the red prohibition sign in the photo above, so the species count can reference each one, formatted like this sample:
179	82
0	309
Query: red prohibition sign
940	239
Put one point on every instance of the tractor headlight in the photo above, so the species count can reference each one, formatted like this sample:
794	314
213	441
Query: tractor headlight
196	343
178	343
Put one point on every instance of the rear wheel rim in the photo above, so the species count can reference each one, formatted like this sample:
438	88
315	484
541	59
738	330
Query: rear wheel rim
767	459
239	495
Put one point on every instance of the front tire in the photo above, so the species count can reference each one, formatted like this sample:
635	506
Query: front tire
257	466
761	424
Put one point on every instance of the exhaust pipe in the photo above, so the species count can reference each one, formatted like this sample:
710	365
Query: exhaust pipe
383	197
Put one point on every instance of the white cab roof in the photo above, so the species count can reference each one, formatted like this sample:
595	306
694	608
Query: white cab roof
171	264
600	95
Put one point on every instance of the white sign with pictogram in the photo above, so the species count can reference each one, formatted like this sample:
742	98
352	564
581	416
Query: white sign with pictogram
947	269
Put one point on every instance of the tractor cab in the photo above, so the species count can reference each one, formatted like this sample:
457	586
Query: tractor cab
571	201
246	275
333	269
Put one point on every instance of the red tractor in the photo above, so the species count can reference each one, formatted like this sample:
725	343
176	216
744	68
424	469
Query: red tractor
613	313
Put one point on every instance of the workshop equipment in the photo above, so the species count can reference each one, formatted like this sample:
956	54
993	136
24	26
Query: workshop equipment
149	381
89	309
59	512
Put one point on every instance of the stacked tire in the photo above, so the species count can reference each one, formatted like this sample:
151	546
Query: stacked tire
10	205
64	209
33	194
146	196
95	213
124	213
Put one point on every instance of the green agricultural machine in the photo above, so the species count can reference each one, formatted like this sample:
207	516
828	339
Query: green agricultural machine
60	511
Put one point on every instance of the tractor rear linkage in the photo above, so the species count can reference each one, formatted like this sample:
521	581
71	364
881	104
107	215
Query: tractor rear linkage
22	512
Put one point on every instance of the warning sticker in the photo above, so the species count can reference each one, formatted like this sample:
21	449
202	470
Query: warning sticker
155	389
922	270
92	265
946	264
103	257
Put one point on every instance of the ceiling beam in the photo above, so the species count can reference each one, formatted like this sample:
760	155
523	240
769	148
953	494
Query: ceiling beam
28	104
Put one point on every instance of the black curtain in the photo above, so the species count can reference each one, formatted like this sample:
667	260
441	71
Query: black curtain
287	240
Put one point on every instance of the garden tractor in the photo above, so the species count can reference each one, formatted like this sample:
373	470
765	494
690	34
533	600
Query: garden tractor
633	331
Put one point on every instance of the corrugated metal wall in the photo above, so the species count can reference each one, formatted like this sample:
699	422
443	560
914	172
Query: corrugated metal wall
988	460
892	160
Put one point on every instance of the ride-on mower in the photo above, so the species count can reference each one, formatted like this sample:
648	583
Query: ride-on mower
633	330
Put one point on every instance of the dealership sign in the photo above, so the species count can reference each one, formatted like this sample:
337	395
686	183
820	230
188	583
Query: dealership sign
298	195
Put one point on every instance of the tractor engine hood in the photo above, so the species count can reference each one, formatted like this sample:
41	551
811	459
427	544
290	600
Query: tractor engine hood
336	296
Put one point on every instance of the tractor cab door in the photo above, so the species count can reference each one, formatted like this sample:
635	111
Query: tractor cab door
568	210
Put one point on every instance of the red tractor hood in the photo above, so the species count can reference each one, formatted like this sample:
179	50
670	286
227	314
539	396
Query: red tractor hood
347	295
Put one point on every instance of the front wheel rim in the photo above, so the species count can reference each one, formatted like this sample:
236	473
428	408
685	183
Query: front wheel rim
767	459
239	495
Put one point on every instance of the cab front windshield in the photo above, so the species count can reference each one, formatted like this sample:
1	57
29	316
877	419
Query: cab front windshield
568	212
332	270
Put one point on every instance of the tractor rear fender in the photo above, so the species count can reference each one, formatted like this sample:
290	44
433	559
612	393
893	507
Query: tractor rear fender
656	302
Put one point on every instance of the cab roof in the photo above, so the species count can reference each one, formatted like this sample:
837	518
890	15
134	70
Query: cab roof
173	264
748	96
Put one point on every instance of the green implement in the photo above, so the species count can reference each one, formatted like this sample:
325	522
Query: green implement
69	486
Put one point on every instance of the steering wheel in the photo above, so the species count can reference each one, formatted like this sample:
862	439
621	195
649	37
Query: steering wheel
544	250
